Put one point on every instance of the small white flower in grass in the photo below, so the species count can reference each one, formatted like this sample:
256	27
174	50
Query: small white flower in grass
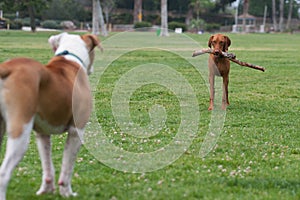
160	182
247	170
149	189
273	154
228	158
113	198
265	156
233	173
282	155
142	176
276	167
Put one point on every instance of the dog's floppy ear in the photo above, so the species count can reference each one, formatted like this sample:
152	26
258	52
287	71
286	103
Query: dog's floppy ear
210	41
92	41
227	43
54	40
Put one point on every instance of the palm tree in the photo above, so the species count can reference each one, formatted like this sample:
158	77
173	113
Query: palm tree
164	18
274	14
102	23
289	15
98	19
137	13
95	27
281	10
245	12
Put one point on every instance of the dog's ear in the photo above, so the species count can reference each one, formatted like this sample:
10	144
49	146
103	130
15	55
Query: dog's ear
54	40
210	41
227	43
92	41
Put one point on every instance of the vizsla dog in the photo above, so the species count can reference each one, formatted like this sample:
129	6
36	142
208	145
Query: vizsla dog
50	99
218	66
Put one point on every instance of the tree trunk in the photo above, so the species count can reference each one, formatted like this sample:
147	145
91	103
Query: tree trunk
281	10
95	28
101	19
137	13
288	23
274	15
245	12
32	17
164	18
189	16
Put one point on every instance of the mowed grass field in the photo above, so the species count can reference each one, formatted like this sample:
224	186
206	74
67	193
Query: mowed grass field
257	155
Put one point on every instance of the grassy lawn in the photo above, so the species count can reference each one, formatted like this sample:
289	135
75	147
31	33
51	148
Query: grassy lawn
256	156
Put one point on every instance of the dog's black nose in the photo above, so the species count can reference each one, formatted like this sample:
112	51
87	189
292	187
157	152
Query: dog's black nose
217	52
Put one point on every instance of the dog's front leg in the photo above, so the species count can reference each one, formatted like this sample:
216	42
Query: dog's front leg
15	150
44	147
72	147
225	101
212	91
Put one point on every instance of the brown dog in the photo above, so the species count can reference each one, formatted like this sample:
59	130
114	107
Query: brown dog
218	66
50	99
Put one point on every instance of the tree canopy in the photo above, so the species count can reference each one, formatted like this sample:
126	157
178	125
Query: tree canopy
121	11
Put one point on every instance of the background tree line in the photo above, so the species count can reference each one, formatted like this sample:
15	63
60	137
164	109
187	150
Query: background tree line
190	12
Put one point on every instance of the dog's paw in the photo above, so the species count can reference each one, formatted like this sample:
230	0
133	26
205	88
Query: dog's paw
224	106
66	191
45	189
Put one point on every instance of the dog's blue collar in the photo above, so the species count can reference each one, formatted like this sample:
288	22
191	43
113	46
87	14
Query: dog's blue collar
66	52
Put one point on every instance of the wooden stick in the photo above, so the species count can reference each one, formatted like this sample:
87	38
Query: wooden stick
231	57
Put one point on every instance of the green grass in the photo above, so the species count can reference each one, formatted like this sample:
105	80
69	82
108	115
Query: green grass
257	155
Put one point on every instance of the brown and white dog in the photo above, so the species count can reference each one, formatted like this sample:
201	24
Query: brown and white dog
218	65
50	99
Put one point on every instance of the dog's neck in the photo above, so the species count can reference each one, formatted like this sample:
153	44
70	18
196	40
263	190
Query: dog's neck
66	53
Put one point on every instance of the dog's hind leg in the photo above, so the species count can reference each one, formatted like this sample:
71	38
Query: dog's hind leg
2	130
44	147
72	147
15	150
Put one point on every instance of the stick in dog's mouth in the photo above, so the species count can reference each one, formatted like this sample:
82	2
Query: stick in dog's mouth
230	56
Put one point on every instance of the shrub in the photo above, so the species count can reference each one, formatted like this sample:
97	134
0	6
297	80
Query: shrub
16	24
212	27
174	25
50	24
26	21
142	25
125	18
198	24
